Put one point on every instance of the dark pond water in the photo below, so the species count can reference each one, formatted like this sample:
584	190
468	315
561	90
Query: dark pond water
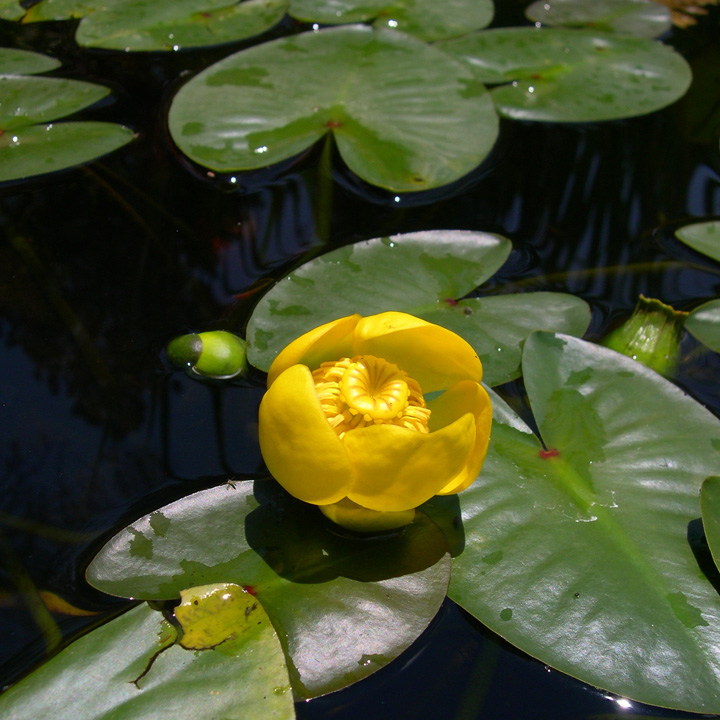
103	264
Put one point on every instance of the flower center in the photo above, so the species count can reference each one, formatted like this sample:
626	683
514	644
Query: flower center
367	390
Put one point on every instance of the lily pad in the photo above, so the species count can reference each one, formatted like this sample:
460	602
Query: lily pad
710	504
345	606
704	324
24	62
642	18
41	149
560	75
577	551
11	10
426	19
704	237
404	115
148	25
132	668
421	274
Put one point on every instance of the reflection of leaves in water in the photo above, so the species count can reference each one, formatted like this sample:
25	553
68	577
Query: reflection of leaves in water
300	545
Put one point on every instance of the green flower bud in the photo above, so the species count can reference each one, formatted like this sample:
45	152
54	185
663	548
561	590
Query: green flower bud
651	335
218	354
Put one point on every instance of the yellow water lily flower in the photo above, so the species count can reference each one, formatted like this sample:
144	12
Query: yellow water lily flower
345	425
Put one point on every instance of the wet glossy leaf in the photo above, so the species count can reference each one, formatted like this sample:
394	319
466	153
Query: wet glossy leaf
346	605
421	274
28	99
582	554
704	237
404	115
710	504
147	25
426	19
642	18
41	149
131	668
704	324
16	62
563	75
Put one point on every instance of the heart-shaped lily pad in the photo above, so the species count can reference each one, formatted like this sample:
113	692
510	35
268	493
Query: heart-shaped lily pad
580	552
345	606
148	25
132	668
404	115
426	19
30	148
704	324
704	237
561	75
642	18
422	274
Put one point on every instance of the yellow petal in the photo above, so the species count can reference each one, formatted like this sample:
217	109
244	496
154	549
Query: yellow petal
464	397
435	356
398	469
331	341
359	519
299	447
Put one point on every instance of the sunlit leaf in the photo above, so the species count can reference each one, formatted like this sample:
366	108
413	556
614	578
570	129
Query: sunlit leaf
710	504
704	324
11	10
561	75
132	668
426	19
16	62
422	274
642	18
346	606
582	553
45	148
148	25
404	115
704	237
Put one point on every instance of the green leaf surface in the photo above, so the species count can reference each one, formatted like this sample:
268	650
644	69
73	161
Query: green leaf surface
131	668
559	75
710	505
704	237
404	115
11	10
421	274
24	62
497	326
580	554
28	99
61	9
642	18
344	606
704	324
41	149
426	19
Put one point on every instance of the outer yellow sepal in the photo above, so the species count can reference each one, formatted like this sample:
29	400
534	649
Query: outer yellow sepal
354	517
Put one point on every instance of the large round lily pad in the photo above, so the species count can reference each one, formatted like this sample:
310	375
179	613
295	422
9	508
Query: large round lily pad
581	552
151	25
643	18
422	274
426	19
344	606
404	115
561	75
132	668
704	323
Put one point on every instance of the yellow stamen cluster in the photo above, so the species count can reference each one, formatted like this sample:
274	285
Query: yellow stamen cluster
366	390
